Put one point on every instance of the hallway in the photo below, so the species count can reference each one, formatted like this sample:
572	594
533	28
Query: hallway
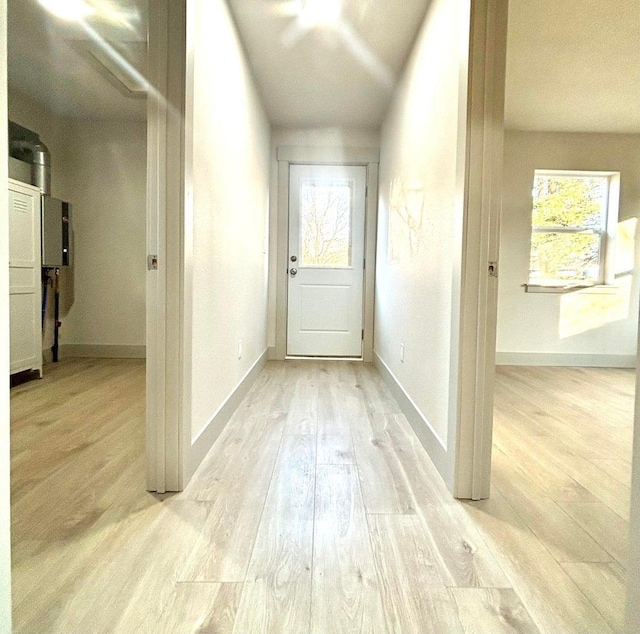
316	511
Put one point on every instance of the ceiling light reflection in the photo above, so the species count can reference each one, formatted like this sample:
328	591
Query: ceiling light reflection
106	11
129	74
367	58
320	12
111	11
286	8
70	10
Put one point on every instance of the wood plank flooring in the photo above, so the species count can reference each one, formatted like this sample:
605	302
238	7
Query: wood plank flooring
558	517
318	511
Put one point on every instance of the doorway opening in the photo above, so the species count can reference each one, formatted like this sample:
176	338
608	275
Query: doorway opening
568	305
78	114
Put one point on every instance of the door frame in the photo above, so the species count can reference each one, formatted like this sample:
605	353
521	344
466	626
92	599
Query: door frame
169	236
364	157
317	342
5	504
632	620
481	238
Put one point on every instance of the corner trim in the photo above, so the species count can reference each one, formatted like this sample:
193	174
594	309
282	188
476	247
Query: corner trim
421	426
102	351
577	360
201	445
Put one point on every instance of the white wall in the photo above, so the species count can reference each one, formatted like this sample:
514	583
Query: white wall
418	227
5	541
545	327
334	138
104	166
100	167
231	198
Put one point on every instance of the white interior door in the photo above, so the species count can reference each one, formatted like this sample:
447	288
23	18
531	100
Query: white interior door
326	260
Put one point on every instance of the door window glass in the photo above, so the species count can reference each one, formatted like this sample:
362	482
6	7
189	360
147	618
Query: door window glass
325	223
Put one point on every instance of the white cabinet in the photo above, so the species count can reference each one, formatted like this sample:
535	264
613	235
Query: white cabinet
25	277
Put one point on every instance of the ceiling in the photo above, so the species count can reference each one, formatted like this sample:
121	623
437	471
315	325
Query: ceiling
339	74
61	63
572	65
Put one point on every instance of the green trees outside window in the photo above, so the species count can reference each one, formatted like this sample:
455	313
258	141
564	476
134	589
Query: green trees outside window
569	221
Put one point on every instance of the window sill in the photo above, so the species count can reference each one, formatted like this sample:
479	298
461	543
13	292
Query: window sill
596	289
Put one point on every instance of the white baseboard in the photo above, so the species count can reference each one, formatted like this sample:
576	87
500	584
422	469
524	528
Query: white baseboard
429	439
271	354
201	445
568	360
102	351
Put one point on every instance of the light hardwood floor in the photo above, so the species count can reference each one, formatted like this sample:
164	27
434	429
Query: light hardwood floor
318	511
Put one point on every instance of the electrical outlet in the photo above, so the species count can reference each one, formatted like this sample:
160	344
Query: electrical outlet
401	353
239	348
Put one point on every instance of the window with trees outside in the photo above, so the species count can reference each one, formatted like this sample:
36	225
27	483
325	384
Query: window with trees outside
572	228
325	223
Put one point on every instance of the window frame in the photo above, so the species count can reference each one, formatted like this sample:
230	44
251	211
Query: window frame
607	231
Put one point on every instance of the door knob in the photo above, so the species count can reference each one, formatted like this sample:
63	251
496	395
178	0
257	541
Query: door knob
293	272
